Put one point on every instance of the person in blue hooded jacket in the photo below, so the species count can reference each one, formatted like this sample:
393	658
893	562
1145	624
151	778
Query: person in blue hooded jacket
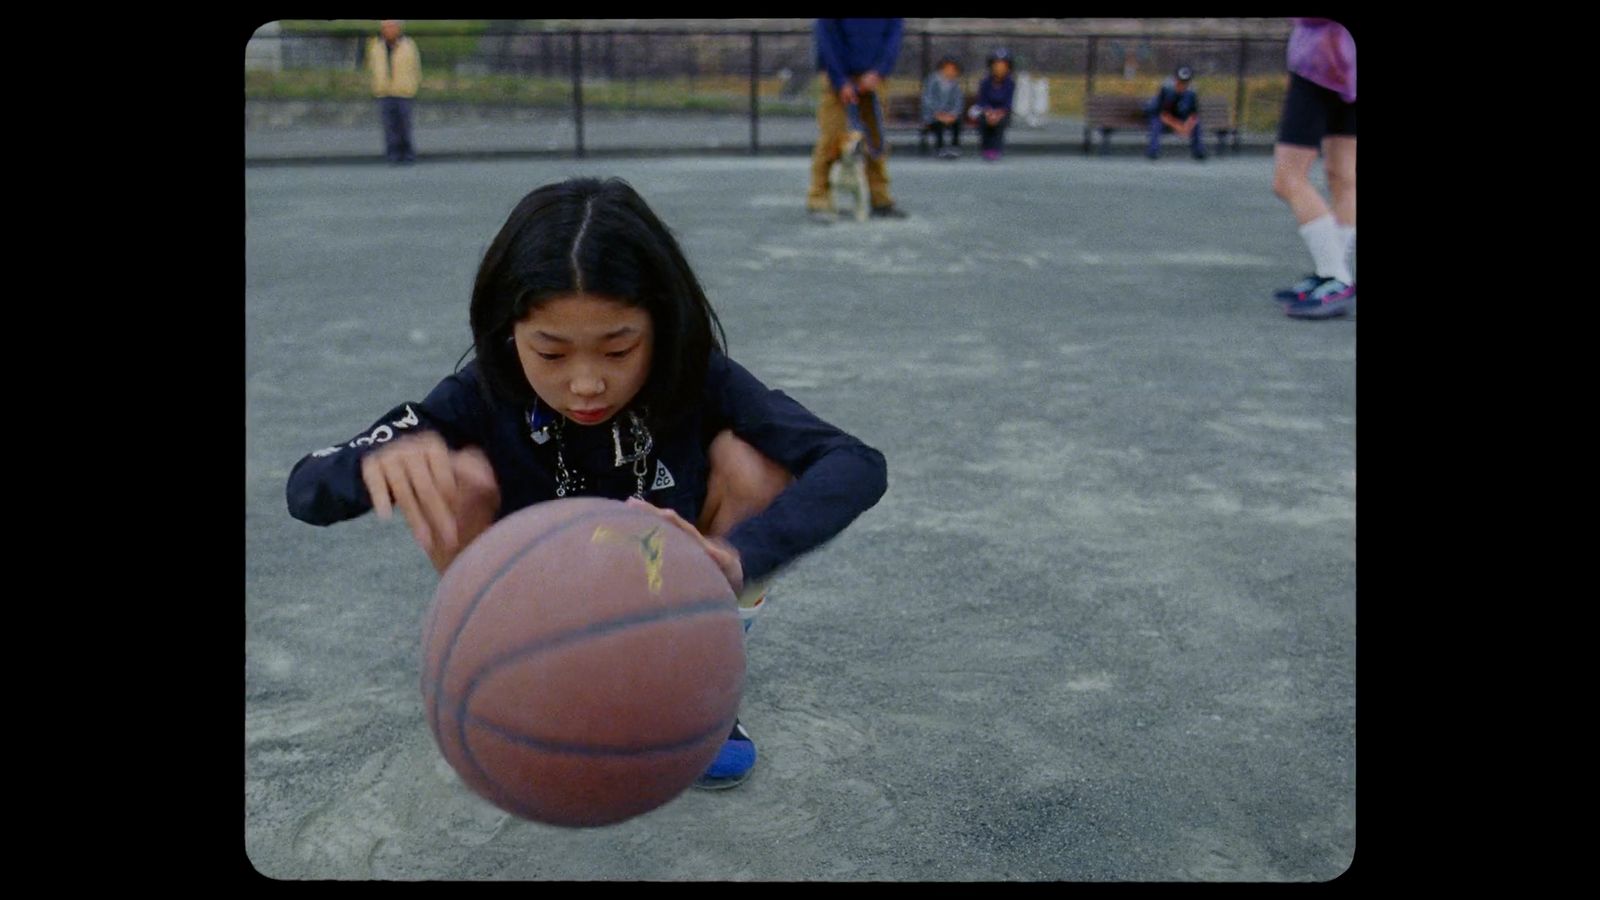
855	57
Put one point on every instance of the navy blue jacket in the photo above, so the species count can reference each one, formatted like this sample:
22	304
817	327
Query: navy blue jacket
837	476
996	96
850	47
1169	101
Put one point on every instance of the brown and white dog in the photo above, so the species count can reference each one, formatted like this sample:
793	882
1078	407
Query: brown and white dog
849	175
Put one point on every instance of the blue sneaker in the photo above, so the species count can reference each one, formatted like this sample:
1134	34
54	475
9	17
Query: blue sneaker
1330	298
733	763
1299	290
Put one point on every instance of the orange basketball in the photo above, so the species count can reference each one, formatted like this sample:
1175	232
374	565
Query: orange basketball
583	662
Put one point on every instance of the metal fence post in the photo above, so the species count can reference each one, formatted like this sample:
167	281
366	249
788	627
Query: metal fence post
755	92
927	49
1238	100
1088	86
577	87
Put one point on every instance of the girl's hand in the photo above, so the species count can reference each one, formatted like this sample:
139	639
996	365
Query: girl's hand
721	552
439	491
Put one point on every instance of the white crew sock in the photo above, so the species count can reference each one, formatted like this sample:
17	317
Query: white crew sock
1327	247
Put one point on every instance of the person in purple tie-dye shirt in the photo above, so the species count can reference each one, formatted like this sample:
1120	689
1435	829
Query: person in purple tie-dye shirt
1319	115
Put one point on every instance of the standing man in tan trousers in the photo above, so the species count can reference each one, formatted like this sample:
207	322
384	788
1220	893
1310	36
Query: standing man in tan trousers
396	69
854	57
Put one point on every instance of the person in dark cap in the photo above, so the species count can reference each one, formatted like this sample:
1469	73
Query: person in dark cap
993	107
1176	109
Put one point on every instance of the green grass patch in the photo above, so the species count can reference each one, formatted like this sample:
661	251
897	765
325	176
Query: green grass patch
308	84
441	41
414	27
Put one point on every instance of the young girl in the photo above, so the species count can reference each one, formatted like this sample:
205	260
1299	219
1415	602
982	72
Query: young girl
599	370
993	109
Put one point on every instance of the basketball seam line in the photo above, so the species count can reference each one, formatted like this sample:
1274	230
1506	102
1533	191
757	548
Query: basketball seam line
593	750
472	607
598	629
466	616
701	607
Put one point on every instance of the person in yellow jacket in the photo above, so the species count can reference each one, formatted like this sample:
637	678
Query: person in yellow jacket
396	69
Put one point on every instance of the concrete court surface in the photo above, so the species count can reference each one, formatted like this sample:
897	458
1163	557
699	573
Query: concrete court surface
1101	628
533	132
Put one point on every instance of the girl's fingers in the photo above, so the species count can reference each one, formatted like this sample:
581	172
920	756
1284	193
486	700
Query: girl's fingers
441	464
439	512
722	554
668	514
377	488
406	499
727	559
672	517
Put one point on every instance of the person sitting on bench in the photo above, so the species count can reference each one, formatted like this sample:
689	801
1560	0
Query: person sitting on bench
941	107
1176	109
993	109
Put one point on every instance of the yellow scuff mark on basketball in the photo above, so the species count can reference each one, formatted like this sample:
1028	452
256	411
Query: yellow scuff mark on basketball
649	545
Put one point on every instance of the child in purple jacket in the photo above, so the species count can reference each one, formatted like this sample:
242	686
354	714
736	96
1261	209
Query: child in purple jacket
993	109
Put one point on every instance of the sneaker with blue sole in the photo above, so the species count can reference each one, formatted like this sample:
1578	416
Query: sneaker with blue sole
1299	290
733	763
1330	298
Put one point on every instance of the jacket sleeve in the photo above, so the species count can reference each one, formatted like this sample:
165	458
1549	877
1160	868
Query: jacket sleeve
837	477
830	52
893	31
326	487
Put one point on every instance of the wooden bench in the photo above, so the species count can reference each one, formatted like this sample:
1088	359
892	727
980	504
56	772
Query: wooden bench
904	113
1105	113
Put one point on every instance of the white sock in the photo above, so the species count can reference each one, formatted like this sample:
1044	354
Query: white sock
1348	232
1327	247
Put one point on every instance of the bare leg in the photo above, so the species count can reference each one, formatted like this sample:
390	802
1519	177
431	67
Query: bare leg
742	482
1292	183
1340	161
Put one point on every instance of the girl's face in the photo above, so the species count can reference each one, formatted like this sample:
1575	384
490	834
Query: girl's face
949	72
586	356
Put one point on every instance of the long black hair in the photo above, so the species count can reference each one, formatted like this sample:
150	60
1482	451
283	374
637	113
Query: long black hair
593	236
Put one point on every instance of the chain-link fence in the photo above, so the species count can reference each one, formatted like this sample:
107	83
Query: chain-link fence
756	91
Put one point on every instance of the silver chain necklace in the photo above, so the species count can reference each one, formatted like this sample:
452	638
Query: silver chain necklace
570	482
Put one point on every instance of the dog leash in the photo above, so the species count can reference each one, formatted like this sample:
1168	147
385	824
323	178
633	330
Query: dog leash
852	113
